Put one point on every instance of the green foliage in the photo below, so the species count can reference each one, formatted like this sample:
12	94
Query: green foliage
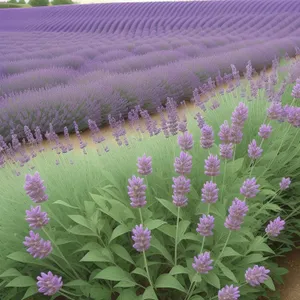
91	218
39	2
61	2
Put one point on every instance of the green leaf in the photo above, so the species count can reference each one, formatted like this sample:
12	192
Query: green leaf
182	227
228	251
170	207
62	241
11	273
148	294
140	271
178	270
97	256
252	258
122	252
119	230
258	245
169	230
234	166
212	279
127	294
168	281
153	224
32	290
155	243
77	282
63	203
22	281
270	284
125	284
81	230
196	297
80	220
227	272
114	274
191	236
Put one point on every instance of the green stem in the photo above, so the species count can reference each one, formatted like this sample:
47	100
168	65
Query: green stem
66	296
147	270
221	253
276	193
141	216
176	236
224	175
67	292
191	288
191	291
61	254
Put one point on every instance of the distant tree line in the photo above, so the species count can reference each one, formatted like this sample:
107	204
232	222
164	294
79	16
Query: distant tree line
42	2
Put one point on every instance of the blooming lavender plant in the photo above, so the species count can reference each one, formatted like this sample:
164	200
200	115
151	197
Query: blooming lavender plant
210	192
229	293
254	151
285	183
137	191
212	166
144	165
225	133
202	263
180	187
265	131
257	275
206	225
36	246
207	137
296	91
250	188
141	237
239	115
237	212
36	218
226	151
183	163
275	227
185	141
35	189
49	284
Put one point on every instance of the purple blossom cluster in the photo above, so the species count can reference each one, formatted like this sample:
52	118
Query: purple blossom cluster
237	212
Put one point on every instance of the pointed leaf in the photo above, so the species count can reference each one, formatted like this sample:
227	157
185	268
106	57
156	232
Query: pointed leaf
22	281
113	274
77	282
212	279
125	284
168	281
122	252
155	243
169	206
270	284
140	271
96	256
63	203
119	230
182	227
178	270
227	272
149	294
11	273
153	224
32	290
228	251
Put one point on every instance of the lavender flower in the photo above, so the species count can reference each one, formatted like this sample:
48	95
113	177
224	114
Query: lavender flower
181	185
49	284
296	91
225	132
254	151
249	188
207	138
210	192
202	263
257	275
183	163
136	191
36	246
265	131
274	227
212	166
200	120
237	212
34	187
206	225
141	237
293	116
144	165
239	115
275	111
236	134
36	218
285	183
229	293
185	141
180	200
226	151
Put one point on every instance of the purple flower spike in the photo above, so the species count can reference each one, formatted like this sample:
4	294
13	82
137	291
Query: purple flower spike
49	284
207	138
265	131
212	166
257	275
275	111
254	151
180	200
285	183
35	189
136	191
249	188
206	225
236	135
274	227
210	192
229	293
239	115
185	141
202	263
296	90
237	212
144	165
183	163
224	133
36	218
141	237
36	246
181	185
226	151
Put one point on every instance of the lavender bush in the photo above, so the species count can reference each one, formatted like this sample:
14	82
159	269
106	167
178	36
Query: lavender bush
164	218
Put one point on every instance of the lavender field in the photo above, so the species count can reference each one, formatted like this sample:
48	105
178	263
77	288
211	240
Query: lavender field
60	64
